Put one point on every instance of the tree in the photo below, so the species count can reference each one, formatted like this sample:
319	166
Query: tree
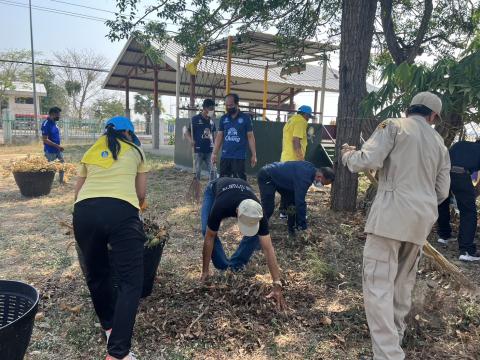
12	71
357	33
82	85
143	105
56	95
105	108
455	81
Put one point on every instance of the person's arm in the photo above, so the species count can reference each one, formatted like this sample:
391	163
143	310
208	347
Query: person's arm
297	147
141	186
253	150
49	142
78	185
218	145
374	151
267	247
208	243
442	183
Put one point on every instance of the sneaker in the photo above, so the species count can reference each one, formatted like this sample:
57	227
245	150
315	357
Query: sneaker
467	257
283	216
130	356
108	333
445	241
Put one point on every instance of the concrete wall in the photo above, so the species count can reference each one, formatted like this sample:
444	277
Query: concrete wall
268	136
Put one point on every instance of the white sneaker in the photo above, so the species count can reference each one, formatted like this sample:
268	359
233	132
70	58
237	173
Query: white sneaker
445	241
468	257
282	216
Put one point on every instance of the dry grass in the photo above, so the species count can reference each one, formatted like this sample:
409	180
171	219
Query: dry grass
229	319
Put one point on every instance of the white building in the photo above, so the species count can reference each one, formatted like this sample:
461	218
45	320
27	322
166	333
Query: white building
20	98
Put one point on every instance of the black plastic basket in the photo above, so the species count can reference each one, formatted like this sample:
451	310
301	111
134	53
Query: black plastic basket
18	306
34	183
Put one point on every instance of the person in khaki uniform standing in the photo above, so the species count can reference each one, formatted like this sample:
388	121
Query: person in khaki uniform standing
414	178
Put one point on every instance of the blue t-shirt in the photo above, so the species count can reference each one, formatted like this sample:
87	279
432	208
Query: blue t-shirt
51	131
235	135
202	134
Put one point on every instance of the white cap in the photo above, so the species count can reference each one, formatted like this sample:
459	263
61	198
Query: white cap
249	214
429	100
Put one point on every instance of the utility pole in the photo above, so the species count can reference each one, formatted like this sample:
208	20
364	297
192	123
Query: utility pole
35	110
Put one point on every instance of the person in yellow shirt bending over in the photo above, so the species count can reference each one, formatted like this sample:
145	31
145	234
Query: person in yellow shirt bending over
110	191
294	143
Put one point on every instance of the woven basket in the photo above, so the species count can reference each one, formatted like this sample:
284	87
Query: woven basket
18	306
34	183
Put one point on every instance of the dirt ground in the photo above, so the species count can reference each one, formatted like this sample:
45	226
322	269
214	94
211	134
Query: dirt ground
230	318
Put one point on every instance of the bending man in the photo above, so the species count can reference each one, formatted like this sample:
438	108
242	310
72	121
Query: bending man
233	197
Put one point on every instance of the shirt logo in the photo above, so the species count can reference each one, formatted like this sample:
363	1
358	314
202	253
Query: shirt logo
240	120
232	135
104	154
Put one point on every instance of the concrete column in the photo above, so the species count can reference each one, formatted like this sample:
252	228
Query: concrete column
7	126
155	127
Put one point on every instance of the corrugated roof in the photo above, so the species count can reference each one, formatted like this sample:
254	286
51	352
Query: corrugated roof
247	79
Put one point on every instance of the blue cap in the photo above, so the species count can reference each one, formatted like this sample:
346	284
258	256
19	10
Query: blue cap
306	110
123	123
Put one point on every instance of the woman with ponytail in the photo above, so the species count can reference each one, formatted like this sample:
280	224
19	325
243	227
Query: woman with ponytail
109	193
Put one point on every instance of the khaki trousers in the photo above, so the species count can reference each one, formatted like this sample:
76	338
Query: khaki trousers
389	270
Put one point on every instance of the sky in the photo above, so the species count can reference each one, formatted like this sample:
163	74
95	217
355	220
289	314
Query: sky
56	32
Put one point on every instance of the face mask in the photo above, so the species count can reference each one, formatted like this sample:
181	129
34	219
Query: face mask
232	110
317	184
211	113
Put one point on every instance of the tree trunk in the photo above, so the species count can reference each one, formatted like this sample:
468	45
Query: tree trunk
449	127
148	122
356	41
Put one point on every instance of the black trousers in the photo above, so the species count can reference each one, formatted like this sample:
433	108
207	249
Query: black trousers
267	195
233	168
99	222
461	186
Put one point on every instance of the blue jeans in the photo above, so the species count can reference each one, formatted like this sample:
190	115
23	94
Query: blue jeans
245	249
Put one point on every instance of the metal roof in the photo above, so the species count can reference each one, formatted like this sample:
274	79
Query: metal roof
265	47
247	79
26	88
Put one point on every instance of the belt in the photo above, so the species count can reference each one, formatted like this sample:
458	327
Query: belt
459	170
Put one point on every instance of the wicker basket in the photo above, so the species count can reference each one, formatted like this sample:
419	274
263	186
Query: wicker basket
34	183
18	306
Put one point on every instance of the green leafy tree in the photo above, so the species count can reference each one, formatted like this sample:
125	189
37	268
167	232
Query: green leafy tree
12	71
106	108
143	105
456	82
56	94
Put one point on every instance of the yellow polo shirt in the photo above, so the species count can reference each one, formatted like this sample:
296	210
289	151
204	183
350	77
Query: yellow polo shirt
296	126
117	181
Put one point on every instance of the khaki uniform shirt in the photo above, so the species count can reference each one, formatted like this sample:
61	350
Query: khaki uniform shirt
414	177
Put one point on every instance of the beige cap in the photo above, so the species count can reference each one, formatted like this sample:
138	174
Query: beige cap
429	100
249	214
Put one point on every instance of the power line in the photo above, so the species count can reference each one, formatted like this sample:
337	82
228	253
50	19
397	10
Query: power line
83	6
54	65
55	11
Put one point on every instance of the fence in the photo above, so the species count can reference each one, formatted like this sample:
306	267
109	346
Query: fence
18	130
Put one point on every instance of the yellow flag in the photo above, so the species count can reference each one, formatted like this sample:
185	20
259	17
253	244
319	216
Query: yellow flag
192	66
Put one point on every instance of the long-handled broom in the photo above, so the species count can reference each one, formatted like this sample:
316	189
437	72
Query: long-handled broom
193	193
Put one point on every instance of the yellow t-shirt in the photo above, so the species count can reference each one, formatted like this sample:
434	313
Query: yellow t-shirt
296	126
117	181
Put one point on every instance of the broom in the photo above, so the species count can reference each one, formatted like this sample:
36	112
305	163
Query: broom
193	193
443	265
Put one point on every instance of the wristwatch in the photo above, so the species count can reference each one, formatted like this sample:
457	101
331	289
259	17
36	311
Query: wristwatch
278	283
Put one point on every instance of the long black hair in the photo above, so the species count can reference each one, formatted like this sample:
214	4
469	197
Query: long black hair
113	140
